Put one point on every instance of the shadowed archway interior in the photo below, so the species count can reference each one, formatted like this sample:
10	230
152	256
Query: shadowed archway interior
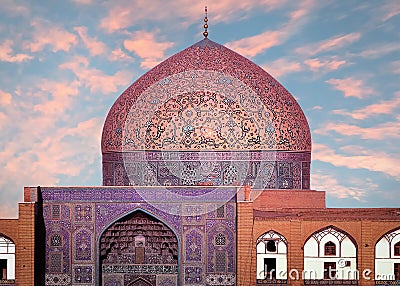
138	249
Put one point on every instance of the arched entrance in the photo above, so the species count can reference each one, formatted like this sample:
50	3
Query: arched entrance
387	258
330	254
271	250
138	250
140	282
7	259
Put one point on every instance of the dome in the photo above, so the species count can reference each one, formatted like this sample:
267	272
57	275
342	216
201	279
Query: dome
213	109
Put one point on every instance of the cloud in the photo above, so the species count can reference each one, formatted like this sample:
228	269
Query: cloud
382	107
14	8
330	44
254	45
282	67
50	34
124	14
3	120
119	55
145	45
317	107
5	98
83	2
351	87
66	151
317	64
8	55
390	10
94	79
384	131
61	94
395	67
378	51
44	142
95	47
371	160
332	187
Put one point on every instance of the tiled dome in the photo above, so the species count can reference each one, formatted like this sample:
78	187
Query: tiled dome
204	98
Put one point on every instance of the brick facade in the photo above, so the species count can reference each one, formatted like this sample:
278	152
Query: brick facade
256	217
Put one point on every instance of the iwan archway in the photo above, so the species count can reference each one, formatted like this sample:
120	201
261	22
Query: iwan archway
138	249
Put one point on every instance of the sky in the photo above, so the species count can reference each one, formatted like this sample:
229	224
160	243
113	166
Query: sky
64	63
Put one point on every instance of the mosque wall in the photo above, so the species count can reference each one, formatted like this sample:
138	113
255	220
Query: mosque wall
354	232
201	218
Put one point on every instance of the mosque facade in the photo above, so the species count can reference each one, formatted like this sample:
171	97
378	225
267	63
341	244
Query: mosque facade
206	181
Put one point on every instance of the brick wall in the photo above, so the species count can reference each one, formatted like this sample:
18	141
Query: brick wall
22	232
297	229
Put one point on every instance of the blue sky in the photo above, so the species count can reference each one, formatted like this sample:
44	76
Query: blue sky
64	63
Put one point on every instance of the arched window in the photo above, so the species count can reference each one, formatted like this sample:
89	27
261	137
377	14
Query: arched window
220	239
397	249
327	250
330	248
56	240
271	257
271	246
387	257
7	258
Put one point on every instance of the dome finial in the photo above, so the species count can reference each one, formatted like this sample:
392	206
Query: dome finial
205	33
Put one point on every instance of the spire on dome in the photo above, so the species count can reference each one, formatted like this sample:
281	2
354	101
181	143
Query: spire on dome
205	33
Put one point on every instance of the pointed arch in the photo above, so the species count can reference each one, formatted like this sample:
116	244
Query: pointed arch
271	249
140	282
221	257
134	239
7	258
330	248
387	256
338	232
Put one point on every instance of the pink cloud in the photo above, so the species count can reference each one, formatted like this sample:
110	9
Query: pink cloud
382	107
3	120
330	184
123	14
382	131
374	161
282	67
351	87
8	55
50	155
95	46
49	34
5	98
317	107
317	64
96	80
145	45
120	55
330	44
61	94
379	50
83	2
391	9
254	45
